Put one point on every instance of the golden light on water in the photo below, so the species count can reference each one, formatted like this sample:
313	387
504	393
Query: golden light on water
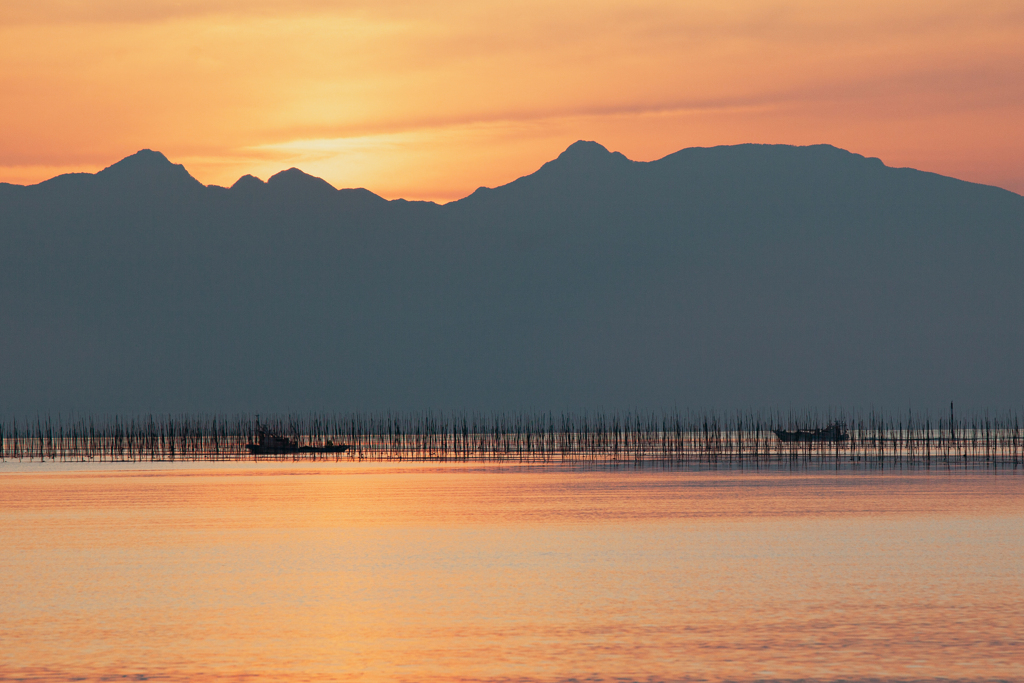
432	99
440	572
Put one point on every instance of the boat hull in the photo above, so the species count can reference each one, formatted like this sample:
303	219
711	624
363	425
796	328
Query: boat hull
258	449
814	435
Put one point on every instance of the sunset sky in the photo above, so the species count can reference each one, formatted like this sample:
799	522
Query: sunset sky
431	99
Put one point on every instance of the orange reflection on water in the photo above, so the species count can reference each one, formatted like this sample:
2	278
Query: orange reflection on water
467	573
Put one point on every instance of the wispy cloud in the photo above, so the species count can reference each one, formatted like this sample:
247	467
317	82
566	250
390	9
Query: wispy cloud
495	88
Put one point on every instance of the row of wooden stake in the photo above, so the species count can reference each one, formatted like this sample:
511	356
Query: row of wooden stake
690	437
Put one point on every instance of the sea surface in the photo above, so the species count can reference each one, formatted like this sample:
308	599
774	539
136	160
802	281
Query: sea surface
424	572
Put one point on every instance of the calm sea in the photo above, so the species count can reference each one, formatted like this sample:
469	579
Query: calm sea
462	573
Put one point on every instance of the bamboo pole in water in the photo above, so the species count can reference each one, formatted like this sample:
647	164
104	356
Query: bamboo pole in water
707	438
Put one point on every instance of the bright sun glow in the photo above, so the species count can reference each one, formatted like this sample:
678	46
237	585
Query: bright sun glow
429	100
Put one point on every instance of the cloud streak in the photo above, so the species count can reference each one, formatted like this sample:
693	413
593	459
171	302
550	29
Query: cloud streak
233	86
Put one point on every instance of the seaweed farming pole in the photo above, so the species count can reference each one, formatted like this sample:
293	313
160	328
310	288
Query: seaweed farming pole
708	438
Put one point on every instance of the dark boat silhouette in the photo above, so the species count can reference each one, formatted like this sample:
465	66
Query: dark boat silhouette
834	432
272	444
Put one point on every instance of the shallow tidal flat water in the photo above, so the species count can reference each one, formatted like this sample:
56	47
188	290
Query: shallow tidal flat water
422	572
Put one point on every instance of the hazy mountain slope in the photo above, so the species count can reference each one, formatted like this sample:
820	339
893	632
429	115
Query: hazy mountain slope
732	276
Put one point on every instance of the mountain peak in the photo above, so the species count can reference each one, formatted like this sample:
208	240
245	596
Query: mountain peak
588	153
297	183
247	182
147	167
584	147
583	159
147	156
143	159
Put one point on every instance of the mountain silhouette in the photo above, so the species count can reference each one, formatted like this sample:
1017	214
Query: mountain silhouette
731	277
294	183
149	168
248	183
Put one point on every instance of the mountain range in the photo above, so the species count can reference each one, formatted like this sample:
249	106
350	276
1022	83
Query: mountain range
749	276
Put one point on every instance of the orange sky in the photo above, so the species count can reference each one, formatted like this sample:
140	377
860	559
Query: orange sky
430	99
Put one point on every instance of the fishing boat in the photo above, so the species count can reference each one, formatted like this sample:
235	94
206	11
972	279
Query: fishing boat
834	432
272	444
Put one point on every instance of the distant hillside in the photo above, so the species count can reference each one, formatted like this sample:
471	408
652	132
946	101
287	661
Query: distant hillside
743	276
